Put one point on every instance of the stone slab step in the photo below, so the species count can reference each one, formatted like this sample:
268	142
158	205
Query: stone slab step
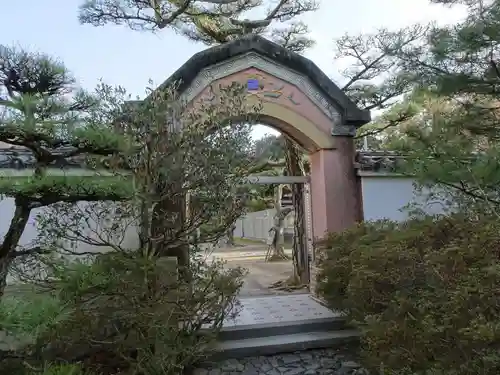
271	345
242	332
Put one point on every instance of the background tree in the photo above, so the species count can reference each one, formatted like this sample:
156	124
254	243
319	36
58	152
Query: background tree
45	114
49	119
446	154
375	79
452	137
205	155
127	308
207	21
269	147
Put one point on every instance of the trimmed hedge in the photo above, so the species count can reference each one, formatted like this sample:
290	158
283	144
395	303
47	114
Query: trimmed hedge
424	293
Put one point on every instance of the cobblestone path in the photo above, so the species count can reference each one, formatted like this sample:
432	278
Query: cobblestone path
311	362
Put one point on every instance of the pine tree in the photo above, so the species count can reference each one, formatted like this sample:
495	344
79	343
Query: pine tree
453	138
44	113
207	21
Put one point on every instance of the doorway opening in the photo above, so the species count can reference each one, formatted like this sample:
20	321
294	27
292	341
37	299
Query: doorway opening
273	239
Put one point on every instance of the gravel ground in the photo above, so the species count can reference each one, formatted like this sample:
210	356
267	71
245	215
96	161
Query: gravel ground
311	362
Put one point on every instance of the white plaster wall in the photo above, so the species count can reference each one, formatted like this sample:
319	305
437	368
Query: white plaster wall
129	238
256	225
384	197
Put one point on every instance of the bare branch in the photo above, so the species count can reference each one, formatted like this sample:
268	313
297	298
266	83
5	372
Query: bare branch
374	77
210	22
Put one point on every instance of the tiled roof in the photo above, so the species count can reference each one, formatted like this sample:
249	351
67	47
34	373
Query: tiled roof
378	161
12	157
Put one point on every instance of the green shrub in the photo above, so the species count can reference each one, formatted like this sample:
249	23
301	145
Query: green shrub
46	369
24	315
61	369
130	314
28	313
335	258
424	293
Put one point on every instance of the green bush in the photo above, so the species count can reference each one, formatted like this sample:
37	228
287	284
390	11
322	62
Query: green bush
24	315
28	314
335	260
425	293
61	369
131	314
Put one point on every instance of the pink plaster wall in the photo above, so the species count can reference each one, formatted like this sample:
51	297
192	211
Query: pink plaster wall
299	102
334	189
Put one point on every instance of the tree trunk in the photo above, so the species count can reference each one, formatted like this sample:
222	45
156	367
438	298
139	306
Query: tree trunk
167	227
229	240
4	273
299	250
277	231
145	228
11	241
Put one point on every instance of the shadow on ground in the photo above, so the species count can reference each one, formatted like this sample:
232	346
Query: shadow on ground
261	274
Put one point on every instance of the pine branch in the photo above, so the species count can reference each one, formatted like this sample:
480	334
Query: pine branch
49	149
38	192
37	250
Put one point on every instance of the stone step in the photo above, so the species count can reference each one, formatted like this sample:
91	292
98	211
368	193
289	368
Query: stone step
242	332
271	345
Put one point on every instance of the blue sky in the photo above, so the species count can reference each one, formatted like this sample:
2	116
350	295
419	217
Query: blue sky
130	58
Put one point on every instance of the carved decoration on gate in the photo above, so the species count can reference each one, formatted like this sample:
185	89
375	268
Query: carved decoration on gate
252	60
263	87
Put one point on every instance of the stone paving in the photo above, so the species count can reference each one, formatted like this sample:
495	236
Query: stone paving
261	274
311	362
272	310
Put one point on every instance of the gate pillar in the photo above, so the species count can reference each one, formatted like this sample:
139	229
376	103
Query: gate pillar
336	201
